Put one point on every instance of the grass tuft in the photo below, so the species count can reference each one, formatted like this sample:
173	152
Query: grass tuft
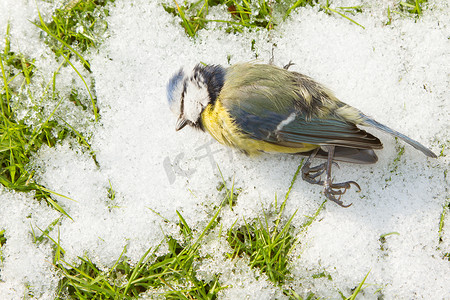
413	7
18	140
408	8
75	29
250	14
256	14
269	242
72	27
171	275
78	25
266	14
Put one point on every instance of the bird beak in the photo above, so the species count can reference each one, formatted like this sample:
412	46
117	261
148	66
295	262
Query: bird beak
181	123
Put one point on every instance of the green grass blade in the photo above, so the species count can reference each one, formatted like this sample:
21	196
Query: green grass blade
94	107
358	289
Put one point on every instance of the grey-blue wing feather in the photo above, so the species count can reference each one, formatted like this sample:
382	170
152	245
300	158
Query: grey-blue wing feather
295	130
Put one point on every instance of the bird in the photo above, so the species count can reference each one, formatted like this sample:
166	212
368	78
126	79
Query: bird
262	108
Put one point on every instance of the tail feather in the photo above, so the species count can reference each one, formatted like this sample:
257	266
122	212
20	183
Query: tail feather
408	140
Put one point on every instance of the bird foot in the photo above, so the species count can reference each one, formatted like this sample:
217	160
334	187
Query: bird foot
331	190
310	174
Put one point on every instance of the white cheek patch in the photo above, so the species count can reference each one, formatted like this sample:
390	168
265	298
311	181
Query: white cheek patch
196	98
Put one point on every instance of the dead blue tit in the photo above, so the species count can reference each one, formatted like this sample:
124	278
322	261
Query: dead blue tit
260	108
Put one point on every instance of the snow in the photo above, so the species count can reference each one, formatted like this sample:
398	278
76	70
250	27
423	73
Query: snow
398	74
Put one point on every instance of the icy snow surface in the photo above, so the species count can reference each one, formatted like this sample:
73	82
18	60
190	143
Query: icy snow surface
398	74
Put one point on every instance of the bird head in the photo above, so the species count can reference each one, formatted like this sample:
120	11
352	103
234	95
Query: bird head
189	94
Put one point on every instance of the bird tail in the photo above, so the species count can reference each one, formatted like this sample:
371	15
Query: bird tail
415	144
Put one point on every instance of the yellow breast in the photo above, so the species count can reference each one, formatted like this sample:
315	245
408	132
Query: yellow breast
216	120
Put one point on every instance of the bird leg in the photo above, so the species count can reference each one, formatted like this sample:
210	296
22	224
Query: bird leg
331	190
309	174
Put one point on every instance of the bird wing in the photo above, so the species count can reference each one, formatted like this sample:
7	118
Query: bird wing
292	129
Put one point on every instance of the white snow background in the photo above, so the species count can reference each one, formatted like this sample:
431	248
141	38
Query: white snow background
398	74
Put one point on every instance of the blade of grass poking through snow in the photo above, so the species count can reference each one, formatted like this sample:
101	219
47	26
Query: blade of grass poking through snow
250	17
328	9
283	205
38	129
444	213
43	189
159	215
267	248
16	143
2	237
297	4
358	289
230	195
5	111
121	281
185	228
50	227
208	227
187	25
200	18
50	201
412	6
59	251
77	133
313	217
94	106
174	270
2	242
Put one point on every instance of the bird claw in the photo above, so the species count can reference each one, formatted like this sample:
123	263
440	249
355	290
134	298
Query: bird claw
333	189
331	197
345	185
309	174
